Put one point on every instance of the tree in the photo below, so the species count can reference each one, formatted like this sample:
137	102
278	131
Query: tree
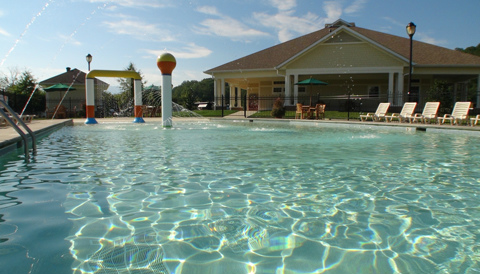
471	50
18	86
110	103
441	92
125	98
193	91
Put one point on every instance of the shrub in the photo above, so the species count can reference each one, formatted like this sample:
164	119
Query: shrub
278	109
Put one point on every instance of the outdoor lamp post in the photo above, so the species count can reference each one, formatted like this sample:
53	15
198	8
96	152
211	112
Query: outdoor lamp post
411	28
89	60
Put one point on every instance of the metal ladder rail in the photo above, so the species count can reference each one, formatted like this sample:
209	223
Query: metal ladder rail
19	131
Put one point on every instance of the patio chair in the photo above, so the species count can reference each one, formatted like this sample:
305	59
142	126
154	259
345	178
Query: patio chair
27	118
474	121
61	112
378	115
301	111
459	114
405	113
429	113
320	111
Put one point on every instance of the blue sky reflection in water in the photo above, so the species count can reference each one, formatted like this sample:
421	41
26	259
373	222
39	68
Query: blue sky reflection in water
47	36
243	198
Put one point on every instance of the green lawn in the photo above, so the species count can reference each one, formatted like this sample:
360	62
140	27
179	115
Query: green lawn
214	113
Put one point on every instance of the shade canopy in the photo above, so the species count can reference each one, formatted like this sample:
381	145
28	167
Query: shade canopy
59	87
311	81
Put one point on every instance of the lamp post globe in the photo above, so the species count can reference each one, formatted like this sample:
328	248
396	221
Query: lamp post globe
411	28
89	60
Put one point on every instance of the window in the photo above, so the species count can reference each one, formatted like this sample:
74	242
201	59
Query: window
373	91
301	89
278	89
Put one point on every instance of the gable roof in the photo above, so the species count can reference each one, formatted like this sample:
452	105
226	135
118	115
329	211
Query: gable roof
70	77
423	54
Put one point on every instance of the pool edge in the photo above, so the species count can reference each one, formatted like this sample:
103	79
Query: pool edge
40	128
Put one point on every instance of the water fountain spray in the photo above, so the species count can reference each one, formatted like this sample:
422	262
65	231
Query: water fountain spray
166	63
28	101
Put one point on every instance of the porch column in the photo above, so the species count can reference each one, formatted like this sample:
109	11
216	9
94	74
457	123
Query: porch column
230	101
391	80
288	84
295	89
399	93
215	95
222	90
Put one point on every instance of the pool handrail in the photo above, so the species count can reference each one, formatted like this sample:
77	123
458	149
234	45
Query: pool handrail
13	122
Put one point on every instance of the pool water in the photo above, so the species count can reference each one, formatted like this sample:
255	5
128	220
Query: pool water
241	197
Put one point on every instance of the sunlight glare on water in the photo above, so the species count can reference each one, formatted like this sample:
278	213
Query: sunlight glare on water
207	197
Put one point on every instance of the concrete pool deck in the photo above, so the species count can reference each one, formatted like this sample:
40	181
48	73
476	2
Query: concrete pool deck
10	139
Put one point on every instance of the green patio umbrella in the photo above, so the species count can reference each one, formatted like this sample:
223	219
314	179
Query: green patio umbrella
311	82
58	87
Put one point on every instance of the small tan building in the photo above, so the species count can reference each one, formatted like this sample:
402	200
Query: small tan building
354	61
74	100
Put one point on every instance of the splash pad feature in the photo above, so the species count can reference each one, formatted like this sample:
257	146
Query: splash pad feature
166	63
90	94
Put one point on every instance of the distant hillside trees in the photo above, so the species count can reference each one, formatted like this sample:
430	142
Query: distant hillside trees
193	91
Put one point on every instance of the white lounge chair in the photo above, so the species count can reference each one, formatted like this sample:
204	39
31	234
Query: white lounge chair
378	115
429	113
405	114
474	121
459	114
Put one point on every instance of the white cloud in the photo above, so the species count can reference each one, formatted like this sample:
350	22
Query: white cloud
228	27
418	35
428	39
208	10
393	21
139	30
225	26
284	4
4	32
191	51
136	3
287	25
356	6
333	11
70	40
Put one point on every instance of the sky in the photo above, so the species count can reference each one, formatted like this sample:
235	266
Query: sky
46	36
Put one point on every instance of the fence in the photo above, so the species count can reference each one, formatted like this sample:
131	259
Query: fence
262	106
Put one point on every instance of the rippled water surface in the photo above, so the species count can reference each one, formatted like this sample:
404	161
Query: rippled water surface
218	197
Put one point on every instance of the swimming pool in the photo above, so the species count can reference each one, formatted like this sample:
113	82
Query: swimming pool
240	197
